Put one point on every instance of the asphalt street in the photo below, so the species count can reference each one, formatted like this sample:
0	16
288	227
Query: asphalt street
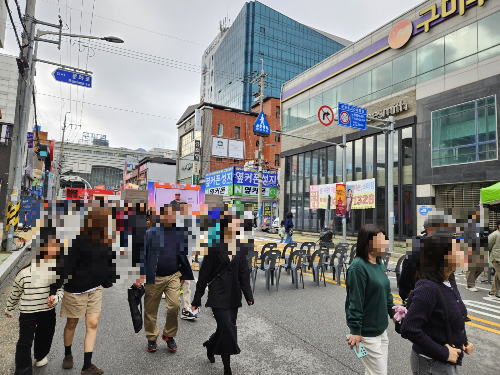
286	332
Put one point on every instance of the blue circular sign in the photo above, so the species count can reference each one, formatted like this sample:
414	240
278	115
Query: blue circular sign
423	210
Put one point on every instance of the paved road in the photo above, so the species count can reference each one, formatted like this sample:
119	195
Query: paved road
290	331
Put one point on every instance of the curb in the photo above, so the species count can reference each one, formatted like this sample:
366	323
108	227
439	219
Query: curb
8	265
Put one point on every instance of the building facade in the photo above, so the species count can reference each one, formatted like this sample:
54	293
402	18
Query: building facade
437	71
156	169
259	32
100	165
226	138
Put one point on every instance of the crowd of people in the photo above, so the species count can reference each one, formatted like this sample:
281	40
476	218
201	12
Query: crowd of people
104	250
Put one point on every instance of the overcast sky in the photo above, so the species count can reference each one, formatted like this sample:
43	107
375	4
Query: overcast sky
164	29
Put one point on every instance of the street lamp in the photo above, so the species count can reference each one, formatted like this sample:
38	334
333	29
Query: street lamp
111	39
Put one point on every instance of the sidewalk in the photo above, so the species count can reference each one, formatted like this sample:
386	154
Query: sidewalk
9	259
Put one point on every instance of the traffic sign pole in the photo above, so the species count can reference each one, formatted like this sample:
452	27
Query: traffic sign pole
390	183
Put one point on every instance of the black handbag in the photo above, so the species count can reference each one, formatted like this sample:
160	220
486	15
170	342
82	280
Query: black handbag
135	304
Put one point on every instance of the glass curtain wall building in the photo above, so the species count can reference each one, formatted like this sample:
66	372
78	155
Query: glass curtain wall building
287	47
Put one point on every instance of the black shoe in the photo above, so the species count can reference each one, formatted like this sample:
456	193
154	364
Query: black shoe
171	345
151	346
210	356
227	371
492	295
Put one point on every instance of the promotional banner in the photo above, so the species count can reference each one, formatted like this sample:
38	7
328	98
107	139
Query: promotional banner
360	194
219	182
162	193
235	149
313	197
246	182
324	192
219	147
340	200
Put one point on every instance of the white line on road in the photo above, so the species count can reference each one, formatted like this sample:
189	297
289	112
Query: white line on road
473	305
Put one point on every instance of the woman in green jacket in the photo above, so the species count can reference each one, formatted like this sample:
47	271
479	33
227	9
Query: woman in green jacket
494	248
369	299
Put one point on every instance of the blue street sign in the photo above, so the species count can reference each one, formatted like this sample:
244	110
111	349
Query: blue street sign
352	117
73	78
261	126
30	139
424	210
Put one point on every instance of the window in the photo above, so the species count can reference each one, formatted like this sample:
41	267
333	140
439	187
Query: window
465	133
257	143
218	159
237	132
277	137
262	29
236	161
276	160
220	129
278	111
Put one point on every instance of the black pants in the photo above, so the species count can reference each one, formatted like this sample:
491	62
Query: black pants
225	340
39	326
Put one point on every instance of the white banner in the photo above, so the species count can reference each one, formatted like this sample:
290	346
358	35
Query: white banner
236	149
219	147
197	120
222	190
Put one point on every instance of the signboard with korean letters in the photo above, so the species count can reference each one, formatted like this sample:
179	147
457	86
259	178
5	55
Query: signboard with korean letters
219	182
246	182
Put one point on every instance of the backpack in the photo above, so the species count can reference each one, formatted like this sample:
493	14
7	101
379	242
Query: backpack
449	337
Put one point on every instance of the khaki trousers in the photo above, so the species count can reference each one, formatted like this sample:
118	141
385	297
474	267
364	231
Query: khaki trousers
472	274
378	353
186	292
170	285
495	285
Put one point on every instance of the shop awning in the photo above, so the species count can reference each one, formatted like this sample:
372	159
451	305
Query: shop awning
491	194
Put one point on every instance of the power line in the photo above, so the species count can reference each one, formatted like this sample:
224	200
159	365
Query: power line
14	26
136	27
109	107
21	17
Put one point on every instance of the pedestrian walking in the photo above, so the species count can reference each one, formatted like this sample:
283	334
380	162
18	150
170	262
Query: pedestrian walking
289	227
225	271
37	321
369	300
494	249
165	267
88	266
435	321
281	231
475	267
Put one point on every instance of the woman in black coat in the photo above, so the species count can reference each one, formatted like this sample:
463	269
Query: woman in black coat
225	271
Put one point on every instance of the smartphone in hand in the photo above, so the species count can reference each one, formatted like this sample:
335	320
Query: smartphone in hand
362	351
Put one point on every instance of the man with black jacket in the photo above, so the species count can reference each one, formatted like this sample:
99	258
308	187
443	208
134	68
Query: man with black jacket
85	270
434	224
164	267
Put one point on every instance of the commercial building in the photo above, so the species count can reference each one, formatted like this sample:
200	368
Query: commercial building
152	168
436	69
101	165
259	32
226	139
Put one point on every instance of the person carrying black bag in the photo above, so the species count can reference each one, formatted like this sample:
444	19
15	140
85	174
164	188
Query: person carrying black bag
435	321
225	271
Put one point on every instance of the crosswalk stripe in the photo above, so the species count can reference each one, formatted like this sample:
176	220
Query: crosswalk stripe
484	306
492	299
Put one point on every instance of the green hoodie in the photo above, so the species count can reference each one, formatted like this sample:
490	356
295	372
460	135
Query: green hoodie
369	298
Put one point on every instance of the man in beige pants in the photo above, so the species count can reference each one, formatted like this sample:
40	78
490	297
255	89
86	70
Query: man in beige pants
165	267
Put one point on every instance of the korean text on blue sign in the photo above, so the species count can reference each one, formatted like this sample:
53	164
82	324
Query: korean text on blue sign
30	139
261	126
78	79
223	177
351	116
251	178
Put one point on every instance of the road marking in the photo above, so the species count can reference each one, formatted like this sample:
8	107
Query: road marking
485	321
483	327
478	287
492	299
483	306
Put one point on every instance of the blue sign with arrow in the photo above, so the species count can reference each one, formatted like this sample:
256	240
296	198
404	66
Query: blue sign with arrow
352	117
73	78
261	126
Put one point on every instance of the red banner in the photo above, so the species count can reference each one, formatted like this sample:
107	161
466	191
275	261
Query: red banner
340	200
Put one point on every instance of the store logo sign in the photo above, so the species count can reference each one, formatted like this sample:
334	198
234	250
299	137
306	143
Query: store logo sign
448	8
391	111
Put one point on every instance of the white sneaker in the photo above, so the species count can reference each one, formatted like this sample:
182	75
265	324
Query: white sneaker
473	289
42	362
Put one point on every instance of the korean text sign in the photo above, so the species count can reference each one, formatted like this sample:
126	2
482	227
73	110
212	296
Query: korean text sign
340	200
223	177
246	182
361	194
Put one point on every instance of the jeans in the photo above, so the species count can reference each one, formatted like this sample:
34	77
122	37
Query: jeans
281	239
288	238
421	365
38	327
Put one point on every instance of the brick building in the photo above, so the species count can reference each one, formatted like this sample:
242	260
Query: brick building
226	138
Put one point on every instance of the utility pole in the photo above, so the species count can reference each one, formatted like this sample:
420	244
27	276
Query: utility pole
59	164
390	181
344	181
23	101
261	151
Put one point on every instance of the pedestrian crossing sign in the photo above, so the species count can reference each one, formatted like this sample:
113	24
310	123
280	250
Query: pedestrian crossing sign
261	126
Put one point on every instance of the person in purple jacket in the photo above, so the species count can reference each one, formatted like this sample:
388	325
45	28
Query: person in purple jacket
425	323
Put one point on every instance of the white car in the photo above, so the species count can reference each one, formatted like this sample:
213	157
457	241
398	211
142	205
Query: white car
276	225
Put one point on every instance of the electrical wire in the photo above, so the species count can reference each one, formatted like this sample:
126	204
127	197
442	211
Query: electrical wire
139	28
115	108
14	26
21	17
